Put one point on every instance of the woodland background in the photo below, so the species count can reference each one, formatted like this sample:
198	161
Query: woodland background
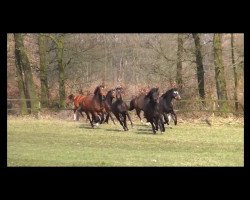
48	67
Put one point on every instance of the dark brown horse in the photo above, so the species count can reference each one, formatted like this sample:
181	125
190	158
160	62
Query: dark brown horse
138	102
152	110
120	109
94	105
108	103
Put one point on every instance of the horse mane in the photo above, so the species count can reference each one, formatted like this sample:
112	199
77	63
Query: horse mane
97	89
109	92
151	92
166	94
71	96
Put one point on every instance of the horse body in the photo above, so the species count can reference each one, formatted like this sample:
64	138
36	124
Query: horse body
120	110
77	101
137	103
94	104
108	103
152	111
166	104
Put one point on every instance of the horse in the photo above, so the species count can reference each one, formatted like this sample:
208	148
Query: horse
111	94
166	104
77	100
94	104
152	110
120	109
137	104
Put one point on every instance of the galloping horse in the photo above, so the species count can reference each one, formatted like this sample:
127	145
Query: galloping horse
137	104
120	109
94	104
108	103
166	105
152	110
77	100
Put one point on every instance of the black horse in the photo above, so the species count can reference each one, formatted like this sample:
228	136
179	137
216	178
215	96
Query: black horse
152	110
166	104
120	109
108	103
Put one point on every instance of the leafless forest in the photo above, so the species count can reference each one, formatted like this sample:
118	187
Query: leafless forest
49	67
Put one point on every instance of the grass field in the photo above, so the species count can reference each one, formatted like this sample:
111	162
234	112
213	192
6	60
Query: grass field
54	142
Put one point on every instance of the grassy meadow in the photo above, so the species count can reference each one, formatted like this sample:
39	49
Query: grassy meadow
55	142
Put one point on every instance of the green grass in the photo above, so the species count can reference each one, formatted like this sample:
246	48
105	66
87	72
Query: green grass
33	142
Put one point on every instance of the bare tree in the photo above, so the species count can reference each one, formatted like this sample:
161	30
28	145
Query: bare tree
200	68
25	78
235	74
43	71
219	73
179	80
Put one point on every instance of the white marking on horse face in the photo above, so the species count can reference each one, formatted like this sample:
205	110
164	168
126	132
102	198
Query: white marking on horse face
176	92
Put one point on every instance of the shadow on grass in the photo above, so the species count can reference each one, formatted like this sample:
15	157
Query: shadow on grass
114	129
86	126
144	132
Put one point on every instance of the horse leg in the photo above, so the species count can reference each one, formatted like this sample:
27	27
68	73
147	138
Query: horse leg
129	119
88	117
125	121
175	117
111	118
153	127
155	121
138	112
96	118
161	124
118	118
74	114
107	118
166	119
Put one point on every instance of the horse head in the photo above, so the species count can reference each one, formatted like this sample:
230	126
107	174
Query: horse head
153	94
176	94
172	94
119	91
69	100
100	91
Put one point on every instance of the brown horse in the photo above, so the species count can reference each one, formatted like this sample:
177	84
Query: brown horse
77	101
94	104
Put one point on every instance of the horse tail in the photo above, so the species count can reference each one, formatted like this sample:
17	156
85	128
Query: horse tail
132	105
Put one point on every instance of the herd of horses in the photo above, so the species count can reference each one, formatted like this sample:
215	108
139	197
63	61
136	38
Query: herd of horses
102	105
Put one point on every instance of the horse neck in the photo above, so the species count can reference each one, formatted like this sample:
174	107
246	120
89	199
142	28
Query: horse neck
109	98
98	97
167	96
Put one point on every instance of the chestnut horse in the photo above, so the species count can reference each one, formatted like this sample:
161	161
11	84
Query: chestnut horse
77	100
94	104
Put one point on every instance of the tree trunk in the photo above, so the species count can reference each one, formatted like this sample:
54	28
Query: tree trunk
43	71
200	69
179	80
219	73
235	75
25	78
60	48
